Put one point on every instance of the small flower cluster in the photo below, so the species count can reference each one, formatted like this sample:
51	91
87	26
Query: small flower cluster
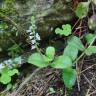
33	36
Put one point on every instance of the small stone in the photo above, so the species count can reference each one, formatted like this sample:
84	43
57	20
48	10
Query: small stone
92	22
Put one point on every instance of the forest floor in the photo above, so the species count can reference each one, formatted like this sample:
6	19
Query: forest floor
47	81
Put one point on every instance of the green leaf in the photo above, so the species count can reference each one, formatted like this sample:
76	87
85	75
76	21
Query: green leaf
13	72
5	79
89	37
4	70
66	30
82	9
50	52
76	42
71	51
58	31
6	75
69	77
37	60
62	62
90	50
3	26
9	86
9	72
47	59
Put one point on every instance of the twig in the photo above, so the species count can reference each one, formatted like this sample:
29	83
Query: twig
89	87
25	81
92	93
65	92
78	77
89	81
75	24
87	68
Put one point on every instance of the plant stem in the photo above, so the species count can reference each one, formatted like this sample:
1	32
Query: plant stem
84	51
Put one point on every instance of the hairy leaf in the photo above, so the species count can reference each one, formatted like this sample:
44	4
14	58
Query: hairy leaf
76	42
62	62
69	77
37	60
71	51
50	52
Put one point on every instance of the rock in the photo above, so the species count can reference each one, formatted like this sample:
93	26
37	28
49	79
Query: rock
48	13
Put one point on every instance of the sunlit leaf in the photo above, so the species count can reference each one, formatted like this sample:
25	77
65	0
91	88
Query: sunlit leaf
13	72
50	52
5	79
59	31
6	75
37	60
65	31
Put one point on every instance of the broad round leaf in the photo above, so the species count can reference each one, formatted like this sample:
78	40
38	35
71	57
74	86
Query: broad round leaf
37	60
5	79
50	52
69	77
82	9
58	31
62	62
71	51
4	70
76	42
